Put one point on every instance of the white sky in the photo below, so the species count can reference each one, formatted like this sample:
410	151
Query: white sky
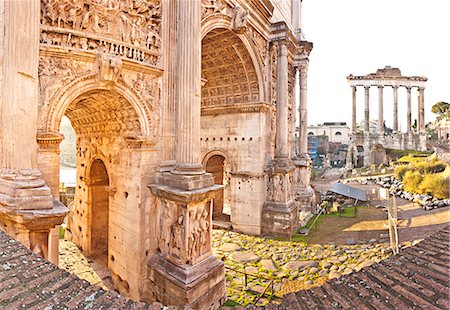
360	36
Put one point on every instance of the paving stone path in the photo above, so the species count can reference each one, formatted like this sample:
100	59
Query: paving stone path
293	266
72	260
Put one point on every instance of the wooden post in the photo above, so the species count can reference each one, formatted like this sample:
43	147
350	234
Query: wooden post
392	220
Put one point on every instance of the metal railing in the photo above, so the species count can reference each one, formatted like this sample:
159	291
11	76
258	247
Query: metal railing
269	285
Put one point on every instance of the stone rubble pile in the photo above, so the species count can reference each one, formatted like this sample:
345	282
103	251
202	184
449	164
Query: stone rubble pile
395	187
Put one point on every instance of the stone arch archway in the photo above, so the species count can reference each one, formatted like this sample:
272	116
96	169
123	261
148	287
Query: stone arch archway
110	123
220	26
98	209
218	164
88	84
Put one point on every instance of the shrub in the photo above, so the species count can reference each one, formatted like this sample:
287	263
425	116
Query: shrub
436	185
412	180
400	171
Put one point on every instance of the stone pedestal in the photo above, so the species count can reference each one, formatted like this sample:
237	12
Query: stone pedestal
423	141
303	190
31	226
201	286
184	272
280	212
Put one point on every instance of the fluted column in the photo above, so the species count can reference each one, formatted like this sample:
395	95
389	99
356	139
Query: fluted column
366	109
380	110
303	108
19	89
408	113
395	109
353	109
187	153
282	132
27	208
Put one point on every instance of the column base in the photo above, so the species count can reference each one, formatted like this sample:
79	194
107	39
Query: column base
304	198
201	286
279	219
32	227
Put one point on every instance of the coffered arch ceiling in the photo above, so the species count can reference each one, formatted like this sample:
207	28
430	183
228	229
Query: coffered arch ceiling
228	69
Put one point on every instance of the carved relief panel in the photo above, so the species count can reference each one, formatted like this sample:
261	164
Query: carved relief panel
129	28
279	187
185	234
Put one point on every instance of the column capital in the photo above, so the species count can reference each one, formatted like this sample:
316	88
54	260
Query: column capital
366	87
302	66
380	86
49	140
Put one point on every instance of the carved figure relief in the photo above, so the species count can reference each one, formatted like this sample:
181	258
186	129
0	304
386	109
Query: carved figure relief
55	73
269	189
198	235
91	24
279	187
239	21
211	7
166	233
176	247
109	67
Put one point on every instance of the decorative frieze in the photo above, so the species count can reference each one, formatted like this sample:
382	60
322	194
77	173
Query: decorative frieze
130	29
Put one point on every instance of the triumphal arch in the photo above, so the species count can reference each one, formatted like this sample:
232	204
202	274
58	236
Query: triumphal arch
185	115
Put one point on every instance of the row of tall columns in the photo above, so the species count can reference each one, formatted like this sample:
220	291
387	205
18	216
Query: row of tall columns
380	124
27	208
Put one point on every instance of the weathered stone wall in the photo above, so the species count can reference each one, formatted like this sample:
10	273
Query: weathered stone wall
242	138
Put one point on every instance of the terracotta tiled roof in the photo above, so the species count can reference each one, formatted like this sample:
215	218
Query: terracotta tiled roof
30	282
417	278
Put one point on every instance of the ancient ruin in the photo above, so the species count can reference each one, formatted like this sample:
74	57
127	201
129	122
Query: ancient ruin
158	92
414	138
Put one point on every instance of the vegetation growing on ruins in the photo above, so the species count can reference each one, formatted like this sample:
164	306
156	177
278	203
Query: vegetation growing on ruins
425	177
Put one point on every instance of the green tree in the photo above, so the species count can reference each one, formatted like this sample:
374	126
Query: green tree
442	109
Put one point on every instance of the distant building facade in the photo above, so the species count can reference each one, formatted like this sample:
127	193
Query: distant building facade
337	132
443	129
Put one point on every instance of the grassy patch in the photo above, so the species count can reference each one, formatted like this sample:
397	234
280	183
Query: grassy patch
230	303
348	211
396	154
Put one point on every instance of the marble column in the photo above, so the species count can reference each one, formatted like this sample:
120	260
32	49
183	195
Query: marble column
353	109
422	108
395	109
380	110
408	112
281	149
303	109
188	90
27	208
366	109
419	108
183	272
